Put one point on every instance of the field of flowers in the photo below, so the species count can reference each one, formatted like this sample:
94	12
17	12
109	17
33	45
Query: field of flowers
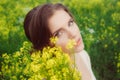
98	20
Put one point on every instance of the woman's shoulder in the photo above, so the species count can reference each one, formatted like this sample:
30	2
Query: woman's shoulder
84	56
83	53
86	59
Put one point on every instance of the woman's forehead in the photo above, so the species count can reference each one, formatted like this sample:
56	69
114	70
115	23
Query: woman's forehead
59	19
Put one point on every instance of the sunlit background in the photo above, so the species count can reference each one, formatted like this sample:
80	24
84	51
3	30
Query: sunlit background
98	20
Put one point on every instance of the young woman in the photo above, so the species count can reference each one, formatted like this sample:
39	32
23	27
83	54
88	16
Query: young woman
48	20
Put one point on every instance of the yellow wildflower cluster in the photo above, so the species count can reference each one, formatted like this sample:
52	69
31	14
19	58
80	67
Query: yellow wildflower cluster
71	44
48	64
53	40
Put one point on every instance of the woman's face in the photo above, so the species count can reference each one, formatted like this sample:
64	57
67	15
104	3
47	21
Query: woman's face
62	25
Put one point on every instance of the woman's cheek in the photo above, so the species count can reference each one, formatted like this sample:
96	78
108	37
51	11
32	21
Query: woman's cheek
62	44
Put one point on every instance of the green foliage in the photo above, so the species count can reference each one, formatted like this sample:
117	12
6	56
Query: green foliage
48	64
98	20
12	15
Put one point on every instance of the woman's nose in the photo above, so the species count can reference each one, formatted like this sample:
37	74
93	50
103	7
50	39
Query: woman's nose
72	33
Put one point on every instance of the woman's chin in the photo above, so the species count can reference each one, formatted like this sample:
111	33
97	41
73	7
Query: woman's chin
79	48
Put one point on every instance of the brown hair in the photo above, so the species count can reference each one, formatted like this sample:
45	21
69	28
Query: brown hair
36	24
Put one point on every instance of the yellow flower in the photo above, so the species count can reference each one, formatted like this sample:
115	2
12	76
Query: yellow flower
65	70
27	69
17	54
105	45
50	63
75	75
45	56
54	77
35	67
53	40
14	78
51	72
36	56
71	44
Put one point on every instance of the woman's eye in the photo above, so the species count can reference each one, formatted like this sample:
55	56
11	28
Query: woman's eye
71	22
59	33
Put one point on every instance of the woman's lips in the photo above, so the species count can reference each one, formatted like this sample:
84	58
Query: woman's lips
78	42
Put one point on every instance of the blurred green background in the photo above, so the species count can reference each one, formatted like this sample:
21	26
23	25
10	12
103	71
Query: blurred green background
98	20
